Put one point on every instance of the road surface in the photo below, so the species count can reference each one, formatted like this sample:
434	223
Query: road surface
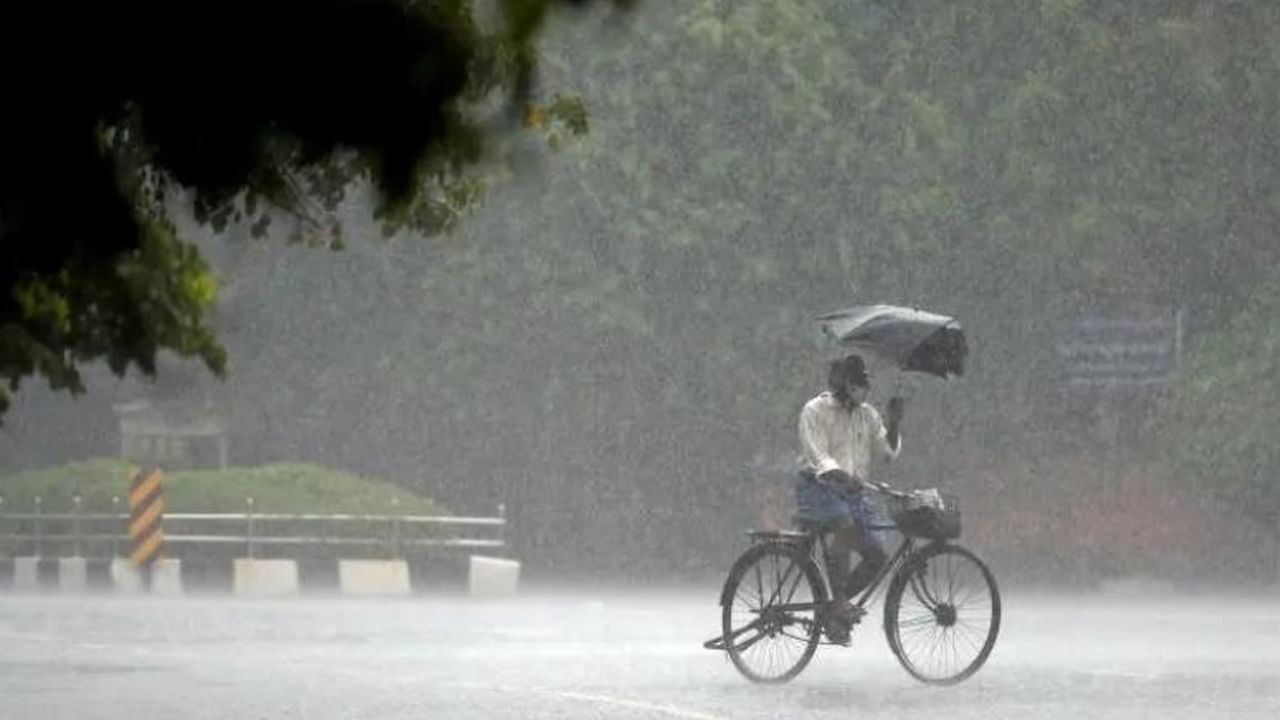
581	655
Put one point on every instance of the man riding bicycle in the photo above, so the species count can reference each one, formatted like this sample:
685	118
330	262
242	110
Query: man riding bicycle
840	435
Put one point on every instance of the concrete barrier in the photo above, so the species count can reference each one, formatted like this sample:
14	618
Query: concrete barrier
487	576
265	578
374	577
166	577
493	577
73	574
26	574
125	578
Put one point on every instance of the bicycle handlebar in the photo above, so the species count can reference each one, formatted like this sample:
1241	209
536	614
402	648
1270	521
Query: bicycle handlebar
886	490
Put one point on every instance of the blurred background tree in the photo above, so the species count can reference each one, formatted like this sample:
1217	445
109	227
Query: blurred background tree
617	344
247	106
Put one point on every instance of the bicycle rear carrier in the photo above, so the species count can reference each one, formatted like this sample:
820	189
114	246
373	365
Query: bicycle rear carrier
784	536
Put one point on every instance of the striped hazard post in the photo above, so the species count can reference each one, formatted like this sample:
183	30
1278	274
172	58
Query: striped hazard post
146	516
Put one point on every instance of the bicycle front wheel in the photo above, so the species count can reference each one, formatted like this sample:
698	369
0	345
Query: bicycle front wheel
942	614
770	604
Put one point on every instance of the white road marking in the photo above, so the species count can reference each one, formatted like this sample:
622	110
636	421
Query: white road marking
670	710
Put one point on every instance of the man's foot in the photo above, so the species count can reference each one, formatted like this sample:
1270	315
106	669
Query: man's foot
838	632
839	617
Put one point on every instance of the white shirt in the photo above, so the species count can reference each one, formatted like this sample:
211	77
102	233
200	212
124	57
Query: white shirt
832	437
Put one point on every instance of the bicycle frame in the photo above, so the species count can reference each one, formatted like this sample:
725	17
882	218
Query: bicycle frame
899	557
818	541
815	539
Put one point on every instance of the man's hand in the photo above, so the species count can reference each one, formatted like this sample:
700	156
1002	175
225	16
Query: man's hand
893	414
837	478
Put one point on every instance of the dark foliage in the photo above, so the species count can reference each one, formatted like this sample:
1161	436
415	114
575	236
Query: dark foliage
111	104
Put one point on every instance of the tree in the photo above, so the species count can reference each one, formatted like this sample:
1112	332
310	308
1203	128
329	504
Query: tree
630	328
758	161
249	105
1222	419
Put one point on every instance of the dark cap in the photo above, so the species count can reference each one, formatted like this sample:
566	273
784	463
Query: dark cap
849	368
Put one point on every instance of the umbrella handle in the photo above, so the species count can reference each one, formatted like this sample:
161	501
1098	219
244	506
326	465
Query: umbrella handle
897	390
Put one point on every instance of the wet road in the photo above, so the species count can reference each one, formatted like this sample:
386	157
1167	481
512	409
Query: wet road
576	656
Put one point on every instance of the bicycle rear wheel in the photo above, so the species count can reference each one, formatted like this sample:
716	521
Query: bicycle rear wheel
770	604
942	614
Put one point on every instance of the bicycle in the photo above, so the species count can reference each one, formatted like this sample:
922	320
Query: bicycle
941	611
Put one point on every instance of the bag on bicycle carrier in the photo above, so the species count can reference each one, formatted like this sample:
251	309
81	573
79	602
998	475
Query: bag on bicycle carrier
926	514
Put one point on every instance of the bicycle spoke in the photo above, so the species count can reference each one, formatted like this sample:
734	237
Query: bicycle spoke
795	585
759	587
952	581
746	599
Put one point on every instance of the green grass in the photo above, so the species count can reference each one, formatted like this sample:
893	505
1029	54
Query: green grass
284	487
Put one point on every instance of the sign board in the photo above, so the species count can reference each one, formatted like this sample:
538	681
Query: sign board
1121	349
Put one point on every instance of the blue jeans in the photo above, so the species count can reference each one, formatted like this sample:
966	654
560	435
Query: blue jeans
849	514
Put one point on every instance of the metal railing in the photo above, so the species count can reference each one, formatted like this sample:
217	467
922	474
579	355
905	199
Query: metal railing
45	534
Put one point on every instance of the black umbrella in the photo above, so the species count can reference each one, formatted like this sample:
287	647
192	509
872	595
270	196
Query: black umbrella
911	339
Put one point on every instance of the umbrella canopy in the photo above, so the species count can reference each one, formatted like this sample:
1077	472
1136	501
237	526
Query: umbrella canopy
911	339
